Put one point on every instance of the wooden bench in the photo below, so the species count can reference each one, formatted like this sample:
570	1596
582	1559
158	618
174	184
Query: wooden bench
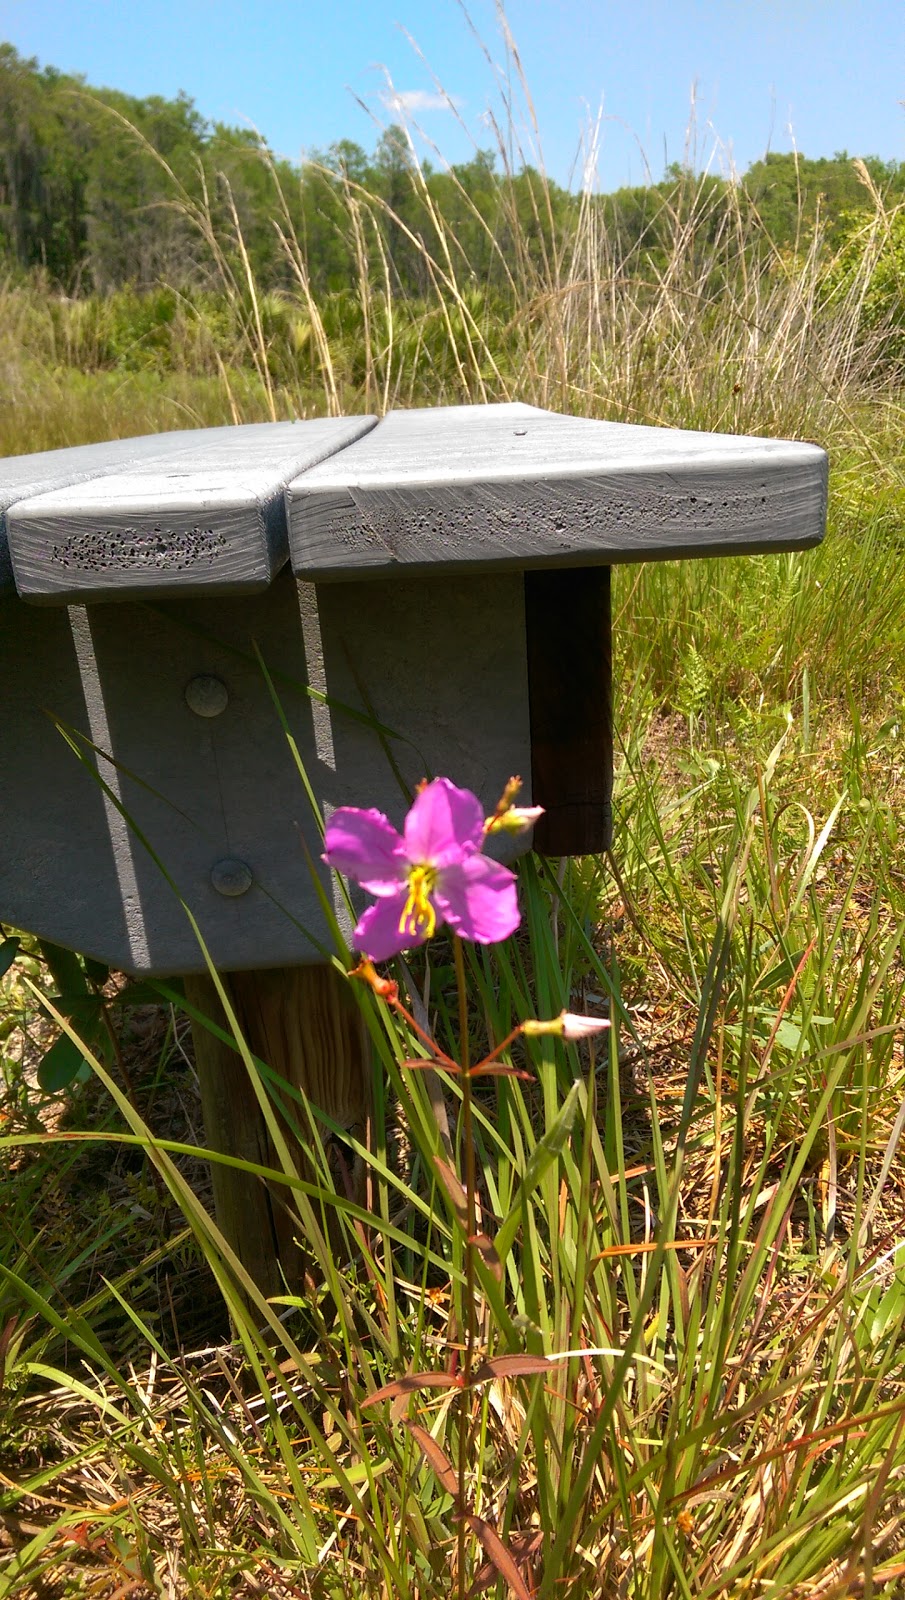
428	593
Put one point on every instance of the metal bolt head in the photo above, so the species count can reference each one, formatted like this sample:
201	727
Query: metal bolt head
231	877
206	696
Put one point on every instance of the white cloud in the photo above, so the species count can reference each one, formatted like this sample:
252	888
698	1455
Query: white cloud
412	101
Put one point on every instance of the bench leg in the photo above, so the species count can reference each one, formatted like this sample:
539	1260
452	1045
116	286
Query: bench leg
567	627
304	1023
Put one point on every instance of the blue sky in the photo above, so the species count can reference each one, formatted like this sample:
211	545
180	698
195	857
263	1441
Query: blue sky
824	74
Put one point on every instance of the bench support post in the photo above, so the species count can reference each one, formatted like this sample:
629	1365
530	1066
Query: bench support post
567	626
305	1024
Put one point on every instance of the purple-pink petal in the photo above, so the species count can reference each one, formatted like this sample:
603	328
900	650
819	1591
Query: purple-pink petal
377	935
444	825
477	897
364	846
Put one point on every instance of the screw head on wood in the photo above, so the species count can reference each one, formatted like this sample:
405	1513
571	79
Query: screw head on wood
206	696
231	877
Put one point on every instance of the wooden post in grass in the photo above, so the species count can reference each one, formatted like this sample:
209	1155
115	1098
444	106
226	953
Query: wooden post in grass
245	625
567	629
304	1023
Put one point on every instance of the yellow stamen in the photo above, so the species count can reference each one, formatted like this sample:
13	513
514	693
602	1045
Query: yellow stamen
419	917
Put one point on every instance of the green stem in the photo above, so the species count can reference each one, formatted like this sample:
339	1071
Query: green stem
472	1228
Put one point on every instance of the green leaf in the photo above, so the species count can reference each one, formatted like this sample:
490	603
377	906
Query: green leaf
890	1309
136	994
783	972
82	1010
86	1014
545	1151
61	1065
65	968
9	949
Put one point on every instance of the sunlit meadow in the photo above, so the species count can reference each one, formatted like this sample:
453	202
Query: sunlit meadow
683	1322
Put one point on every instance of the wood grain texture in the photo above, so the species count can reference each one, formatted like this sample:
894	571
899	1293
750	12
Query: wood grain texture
567	626
305	1024
175	515
512	486
24	476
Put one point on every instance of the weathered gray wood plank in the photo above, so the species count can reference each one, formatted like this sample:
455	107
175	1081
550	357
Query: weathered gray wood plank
512	486
24	476
179	514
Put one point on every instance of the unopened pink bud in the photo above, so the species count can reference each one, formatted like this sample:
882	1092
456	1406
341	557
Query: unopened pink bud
567	1026
575	1028
516	820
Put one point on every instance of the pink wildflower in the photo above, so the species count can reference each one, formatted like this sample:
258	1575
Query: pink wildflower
433	873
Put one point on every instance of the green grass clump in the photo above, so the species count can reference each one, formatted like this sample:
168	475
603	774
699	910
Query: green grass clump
705	1208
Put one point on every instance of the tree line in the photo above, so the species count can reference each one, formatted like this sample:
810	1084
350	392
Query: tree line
99	190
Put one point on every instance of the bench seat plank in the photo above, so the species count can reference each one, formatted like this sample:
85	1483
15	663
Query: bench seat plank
177	514
21	477
513	486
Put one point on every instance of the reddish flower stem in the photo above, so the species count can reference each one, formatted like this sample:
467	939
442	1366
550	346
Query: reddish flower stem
471	1232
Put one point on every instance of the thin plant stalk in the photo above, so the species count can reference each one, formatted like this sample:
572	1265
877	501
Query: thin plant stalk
468	1158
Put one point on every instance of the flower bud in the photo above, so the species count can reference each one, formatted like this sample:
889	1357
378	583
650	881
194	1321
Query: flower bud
575	1028
567	1026
384	987
516	820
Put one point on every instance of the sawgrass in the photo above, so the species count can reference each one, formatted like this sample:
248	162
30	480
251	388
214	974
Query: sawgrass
706	1208
700	1223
